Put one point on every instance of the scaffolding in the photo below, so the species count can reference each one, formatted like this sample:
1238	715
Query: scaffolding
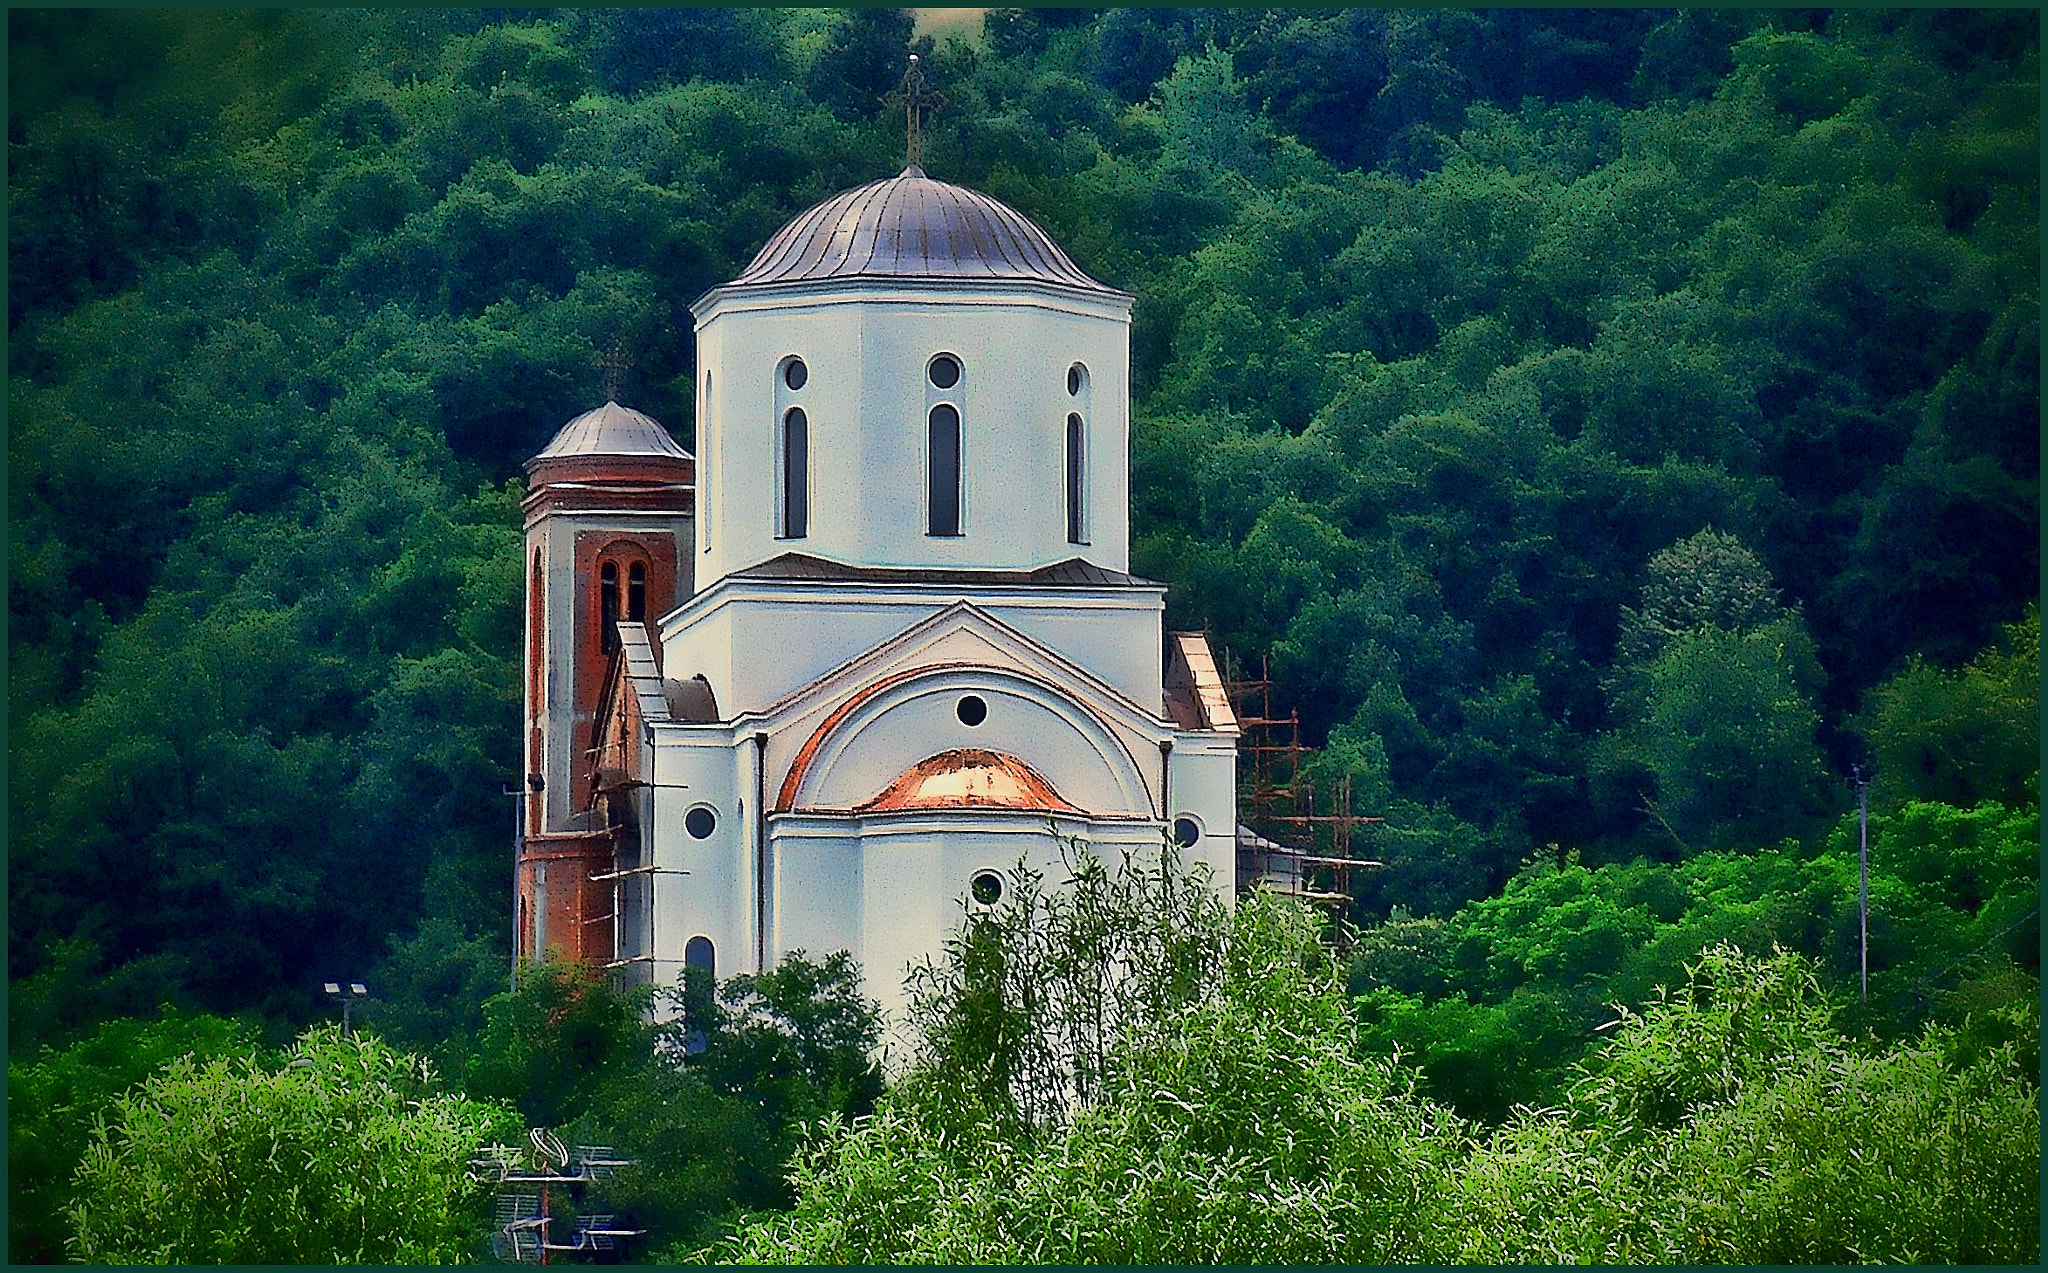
1286	845
525	1184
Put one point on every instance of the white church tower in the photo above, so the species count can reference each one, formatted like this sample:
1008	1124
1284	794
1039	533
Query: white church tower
907	652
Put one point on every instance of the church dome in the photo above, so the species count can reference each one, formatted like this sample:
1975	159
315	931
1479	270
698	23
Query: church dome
611	445
612	430
910	226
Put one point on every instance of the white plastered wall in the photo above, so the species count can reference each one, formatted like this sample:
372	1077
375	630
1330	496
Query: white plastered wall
892	887
866	348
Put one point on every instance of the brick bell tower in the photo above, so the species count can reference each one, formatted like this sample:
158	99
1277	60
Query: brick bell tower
610	527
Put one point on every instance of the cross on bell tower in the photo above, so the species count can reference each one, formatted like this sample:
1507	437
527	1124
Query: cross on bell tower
615	362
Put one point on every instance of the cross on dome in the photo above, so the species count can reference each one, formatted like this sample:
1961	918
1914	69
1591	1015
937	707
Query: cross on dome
615	362
918	99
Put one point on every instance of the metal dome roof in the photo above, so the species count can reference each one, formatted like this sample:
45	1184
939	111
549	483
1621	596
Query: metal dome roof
910	226
611	430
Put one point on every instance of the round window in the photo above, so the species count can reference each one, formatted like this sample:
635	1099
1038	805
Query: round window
700	822
945	371
1185	832
972	710
987	888
1074	374
795	374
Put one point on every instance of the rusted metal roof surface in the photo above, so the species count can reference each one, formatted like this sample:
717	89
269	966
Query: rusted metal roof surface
1071	573
969	778
612	430
910	226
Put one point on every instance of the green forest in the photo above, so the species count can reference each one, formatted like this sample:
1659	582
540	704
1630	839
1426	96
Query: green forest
1615	433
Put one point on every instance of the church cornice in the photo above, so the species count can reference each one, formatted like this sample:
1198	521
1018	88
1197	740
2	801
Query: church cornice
1074	572
881	290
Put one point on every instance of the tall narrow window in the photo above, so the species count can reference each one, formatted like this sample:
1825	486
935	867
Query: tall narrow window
796	474
700	974
608	606
943	462
1077	526
536	633
636	593
707	464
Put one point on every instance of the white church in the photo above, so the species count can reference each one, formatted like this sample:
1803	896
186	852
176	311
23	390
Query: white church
819	686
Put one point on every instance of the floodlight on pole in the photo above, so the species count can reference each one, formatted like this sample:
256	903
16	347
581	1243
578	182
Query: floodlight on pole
347	999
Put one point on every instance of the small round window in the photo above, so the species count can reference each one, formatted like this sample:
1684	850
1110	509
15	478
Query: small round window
945	371
795	373
1185	832
1075	375
971	710
987	888
700	822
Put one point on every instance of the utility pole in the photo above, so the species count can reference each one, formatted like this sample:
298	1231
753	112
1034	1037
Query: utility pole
1862	781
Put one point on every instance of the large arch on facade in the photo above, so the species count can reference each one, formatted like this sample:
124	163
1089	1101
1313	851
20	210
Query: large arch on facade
904	719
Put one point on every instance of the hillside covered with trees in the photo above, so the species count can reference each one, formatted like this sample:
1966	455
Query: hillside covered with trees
1607	426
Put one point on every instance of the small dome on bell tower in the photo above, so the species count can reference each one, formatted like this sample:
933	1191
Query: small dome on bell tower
611	442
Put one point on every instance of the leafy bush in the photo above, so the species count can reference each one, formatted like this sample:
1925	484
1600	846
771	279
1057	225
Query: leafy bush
1727	1122
1239	1126
345	1155
55	1100
707	1088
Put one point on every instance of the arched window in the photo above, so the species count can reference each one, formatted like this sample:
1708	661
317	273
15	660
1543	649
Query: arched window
536	632
636	593
796	472
700	976
1077	525
698	953
942	460
608	606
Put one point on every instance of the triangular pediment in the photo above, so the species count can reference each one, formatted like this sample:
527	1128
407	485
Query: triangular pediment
964	635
